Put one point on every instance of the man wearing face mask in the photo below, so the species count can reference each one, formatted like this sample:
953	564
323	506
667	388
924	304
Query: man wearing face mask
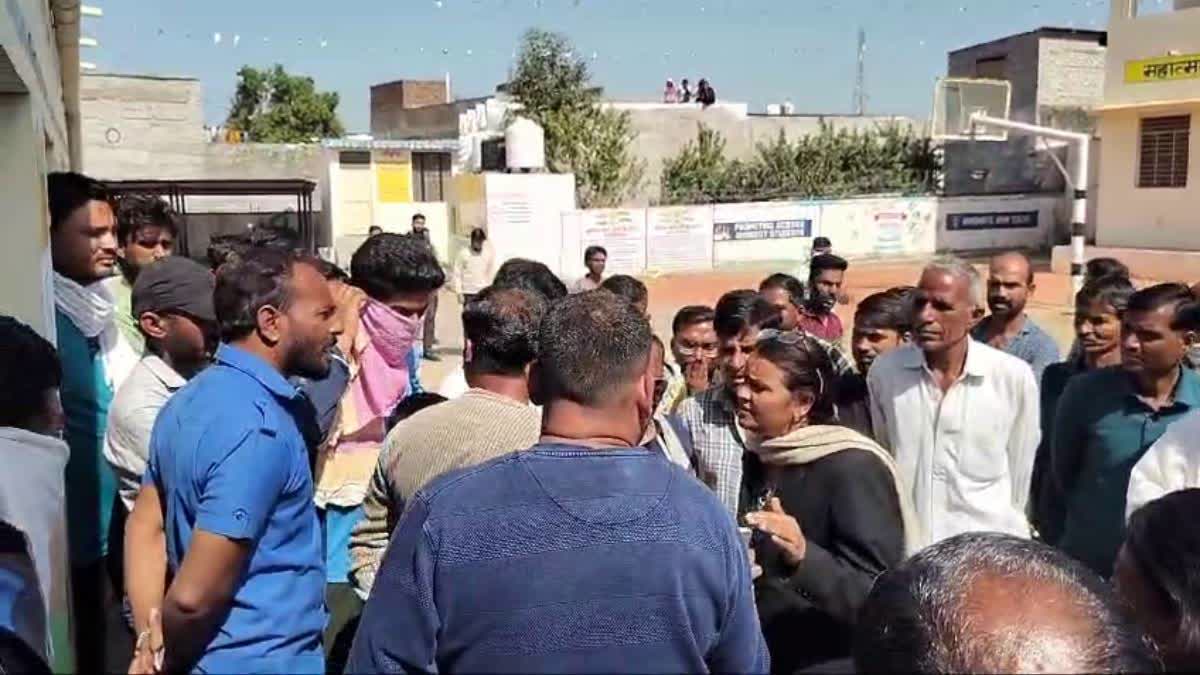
826	275
711	416
582	552
399	275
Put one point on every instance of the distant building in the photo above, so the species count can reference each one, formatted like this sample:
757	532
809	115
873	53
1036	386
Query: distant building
1057	78
1150	121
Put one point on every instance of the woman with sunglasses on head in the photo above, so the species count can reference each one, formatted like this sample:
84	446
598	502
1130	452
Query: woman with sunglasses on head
824	501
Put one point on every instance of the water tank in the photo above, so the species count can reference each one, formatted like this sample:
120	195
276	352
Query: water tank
788	108
525	145
773	109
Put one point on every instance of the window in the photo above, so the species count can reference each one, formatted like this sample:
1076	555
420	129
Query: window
431	172
354	158
1163	152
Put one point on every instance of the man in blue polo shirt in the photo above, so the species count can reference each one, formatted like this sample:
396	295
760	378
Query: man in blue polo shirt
229	463
1108	418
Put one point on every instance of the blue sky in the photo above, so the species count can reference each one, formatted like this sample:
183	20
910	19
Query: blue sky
757	51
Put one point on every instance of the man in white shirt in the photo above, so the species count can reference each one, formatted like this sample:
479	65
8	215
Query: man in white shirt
172	301
960	417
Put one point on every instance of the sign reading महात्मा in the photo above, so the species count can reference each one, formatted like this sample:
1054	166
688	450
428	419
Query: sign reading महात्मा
1163	69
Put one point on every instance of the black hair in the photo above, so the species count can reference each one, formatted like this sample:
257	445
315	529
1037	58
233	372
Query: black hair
223	248
1153	297
822	242
67	192
1164	544
478	234
690	316
387	264
625	286
411	405
739	310
136	211
1114	291
917	617
1105	267
29	367
260	278
593	250
274	235
589	346
889	310
330	271
530	275
826	261
806	366
788	283
418	215
502	325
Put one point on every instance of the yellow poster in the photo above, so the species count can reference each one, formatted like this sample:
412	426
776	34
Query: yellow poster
395	182
1164	69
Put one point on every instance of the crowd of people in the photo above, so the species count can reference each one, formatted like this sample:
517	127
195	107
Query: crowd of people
705	95
234	467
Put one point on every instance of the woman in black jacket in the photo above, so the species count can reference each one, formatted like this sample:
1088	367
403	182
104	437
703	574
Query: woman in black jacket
824	500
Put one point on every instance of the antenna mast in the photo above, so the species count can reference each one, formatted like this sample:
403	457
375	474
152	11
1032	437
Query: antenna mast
859	104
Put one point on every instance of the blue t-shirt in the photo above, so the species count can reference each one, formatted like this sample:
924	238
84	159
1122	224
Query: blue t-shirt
563	559
91	484
228	457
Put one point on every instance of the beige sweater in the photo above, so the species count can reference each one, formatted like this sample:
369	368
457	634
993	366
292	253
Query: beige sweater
460	433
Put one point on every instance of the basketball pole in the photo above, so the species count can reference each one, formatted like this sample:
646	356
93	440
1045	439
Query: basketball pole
1077	180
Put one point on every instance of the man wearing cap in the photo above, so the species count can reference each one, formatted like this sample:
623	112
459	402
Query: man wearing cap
172	301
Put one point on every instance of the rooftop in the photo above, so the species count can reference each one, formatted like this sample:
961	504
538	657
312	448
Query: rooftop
1049	32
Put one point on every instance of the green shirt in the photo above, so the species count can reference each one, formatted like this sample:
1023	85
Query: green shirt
1101	430
122	290
91	484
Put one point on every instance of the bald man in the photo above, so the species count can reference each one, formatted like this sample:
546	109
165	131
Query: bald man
992	603
1008	328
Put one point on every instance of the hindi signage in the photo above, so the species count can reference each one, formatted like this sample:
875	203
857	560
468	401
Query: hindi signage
1164	69
1010	220
622	232
678	238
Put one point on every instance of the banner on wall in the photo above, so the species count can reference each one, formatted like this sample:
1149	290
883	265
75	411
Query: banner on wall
622	232
1006	220
679	238
749	222
395	182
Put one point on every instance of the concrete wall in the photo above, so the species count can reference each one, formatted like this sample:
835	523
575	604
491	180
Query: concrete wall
662	133
875	227
34	139
141	127
1166	218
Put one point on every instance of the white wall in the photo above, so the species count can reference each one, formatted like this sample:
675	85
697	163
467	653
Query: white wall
859	228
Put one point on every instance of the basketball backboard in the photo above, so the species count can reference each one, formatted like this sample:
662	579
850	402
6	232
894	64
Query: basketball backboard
956	100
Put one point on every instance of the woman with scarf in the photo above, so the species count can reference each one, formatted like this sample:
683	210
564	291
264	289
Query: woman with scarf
824	501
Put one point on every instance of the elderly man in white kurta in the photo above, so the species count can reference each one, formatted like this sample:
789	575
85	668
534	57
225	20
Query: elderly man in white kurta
960	417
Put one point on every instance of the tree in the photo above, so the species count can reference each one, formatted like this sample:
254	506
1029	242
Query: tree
271	106
553	88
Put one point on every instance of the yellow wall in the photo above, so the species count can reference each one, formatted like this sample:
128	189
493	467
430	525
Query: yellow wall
1129	216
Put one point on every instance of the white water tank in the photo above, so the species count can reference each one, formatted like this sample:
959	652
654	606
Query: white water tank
525	145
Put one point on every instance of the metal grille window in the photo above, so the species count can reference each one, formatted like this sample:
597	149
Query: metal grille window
431	172
1163	152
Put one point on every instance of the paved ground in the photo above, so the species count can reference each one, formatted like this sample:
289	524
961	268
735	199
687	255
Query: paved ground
1050	307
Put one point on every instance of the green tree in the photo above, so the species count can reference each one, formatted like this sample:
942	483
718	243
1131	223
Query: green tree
553	88
272	106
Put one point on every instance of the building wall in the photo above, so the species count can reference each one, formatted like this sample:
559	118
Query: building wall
34	139
1164	218
1070	83
1146	37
